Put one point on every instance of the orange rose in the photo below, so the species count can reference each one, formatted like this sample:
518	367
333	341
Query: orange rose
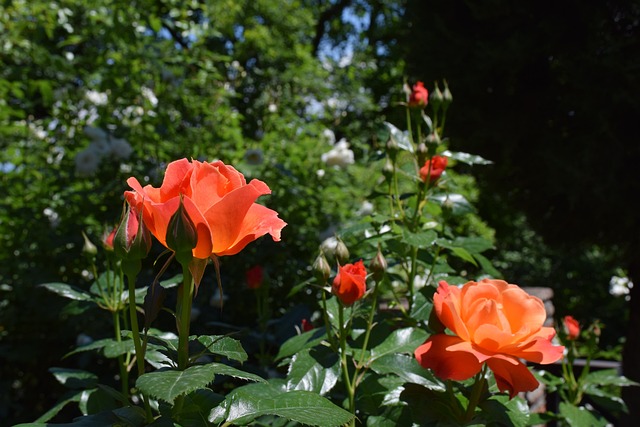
433	168
571	327
218	201
350	284
493	322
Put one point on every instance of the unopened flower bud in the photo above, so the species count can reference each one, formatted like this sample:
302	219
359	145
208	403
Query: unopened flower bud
392	148
342	252
181	235
132	240
321	268
89	248
433	139
422	152
447	98
378	266
388	169
436	98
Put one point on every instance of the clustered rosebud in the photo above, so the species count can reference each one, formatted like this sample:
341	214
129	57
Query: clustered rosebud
419	96
571	327
433	168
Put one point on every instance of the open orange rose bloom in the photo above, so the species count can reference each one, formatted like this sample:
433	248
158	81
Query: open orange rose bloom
493	322
217	199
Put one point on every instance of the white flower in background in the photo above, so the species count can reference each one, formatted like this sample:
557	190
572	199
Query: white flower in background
272	108
366	208
120	148
87	161
419	281
320	173
95	133
96	98
340	156
52	216
254	156
329	136
619	286
149	95
328	247
368	233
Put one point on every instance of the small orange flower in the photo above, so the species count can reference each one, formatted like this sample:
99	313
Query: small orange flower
571	327
433	168
350	283
419	96
493	322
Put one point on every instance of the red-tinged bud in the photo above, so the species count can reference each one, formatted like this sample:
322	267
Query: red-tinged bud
107	239
181	235
132	240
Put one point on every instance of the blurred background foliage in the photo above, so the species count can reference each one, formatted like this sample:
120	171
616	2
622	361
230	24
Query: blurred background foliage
546	91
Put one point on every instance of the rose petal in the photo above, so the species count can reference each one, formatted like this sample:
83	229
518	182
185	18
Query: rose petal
447	364
512	375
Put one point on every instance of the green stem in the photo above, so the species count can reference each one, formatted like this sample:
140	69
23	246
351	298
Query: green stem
345	367
133	315
476	393
183	316
124	374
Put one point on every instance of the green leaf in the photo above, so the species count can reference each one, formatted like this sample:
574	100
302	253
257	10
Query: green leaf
74	378
155	23
408	369
580	416
456	250
300	342
422	305
487	266
401	138
421	239
474	245
470	159
430	407
197	406
245	404
458	203
224	346
68	398
608	377
316	370
68	291
500	410
399	341
222	369
109	346
169	384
